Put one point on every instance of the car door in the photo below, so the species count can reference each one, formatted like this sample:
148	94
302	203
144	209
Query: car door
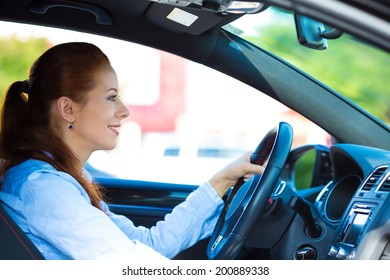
146	203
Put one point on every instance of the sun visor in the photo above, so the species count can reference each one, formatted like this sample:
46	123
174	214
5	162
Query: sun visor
182	19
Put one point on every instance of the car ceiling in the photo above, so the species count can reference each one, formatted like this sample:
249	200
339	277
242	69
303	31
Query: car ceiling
150	18
125	15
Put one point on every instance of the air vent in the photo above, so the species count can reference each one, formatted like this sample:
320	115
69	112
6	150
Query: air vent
373	179
385	187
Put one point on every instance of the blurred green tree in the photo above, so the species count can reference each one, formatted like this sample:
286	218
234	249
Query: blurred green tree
16	57
369	89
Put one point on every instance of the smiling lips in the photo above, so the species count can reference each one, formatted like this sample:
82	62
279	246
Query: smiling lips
114	128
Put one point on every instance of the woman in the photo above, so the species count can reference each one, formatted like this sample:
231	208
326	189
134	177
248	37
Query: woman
50	124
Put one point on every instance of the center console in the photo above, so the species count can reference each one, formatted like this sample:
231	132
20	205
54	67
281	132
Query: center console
362	210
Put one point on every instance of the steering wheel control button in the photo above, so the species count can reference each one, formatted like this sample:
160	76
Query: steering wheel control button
273	206
305	253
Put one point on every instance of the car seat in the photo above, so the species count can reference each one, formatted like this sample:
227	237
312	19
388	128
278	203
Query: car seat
14	243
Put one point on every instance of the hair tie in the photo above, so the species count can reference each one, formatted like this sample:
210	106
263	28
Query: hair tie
25	87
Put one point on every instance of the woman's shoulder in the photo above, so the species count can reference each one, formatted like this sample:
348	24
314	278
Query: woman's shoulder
33	170
34	186
34	164
29	167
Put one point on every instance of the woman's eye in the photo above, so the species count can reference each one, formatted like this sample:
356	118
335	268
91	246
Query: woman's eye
112	97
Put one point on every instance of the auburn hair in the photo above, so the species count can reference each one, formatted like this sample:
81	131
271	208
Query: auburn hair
69	70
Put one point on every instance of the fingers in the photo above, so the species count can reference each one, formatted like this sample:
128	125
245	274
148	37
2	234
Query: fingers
239	168
255	170
250	167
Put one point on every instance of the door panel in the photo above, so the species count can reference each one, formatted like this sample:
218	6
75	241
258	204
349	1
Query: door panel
146	203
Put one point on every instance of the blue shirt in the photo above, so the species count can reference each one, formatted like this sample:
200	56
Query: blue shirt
55	212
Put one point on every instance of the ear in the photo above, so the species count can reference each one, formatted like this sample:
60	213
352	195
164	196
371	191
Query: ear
65	107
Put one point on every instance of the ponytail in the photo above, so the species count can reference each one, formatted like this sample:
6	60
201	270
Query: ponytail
14	117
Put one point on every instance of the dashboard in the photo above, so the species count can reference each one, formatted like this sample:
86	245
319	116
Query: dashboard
355	202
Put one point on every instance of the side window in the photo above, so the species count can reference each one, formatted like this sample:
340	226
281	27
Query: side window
194	121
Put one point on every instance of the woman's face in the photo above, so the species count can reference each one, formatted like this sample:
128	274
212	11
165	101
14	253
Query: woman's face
97	122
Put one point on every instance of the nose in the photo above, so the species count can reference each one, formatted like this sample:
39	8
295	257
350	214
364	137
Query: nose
122	110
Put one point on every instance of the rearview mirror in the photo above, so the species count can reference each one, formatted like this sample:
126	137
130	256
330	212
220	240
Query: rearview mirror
309	32
312	33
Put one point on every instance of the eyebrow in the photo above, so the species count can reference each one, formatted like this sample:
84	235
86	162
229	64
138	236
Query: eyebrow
114	89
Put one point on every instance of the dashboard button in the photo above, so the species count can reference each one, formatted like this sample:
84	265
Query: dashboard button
342	254
333	251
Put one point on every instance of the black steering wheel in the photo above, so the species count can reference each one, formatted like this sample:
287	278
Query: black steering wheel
247	201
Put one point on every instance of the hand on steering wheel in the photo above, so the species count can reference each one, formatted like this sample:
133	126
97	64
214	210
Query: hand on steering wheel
246	204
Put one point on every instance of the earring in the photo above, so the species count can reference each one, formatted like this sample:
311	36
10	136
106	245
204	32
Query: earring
70	125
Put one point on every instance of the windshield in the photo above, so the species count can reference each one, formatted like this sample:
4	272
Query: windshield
356	70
